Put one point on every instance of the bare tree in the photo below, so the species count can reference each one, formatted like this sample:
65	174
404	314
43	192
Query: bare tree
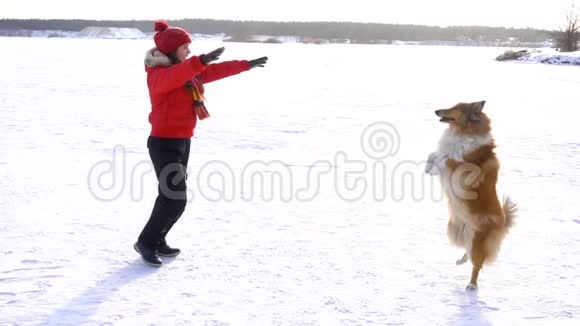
569	34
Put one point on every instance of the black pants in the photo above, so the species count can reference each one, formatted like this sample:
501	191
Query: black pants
169	157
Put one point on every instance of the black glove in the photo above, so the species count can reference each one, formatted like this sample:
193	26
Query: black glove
212	56
260	62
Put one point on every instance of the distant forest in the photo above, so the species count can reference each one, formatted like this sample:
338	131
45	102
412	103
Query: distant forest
357	32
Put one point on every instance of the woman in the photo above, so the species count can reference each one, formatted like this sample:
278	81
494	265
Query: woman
176	91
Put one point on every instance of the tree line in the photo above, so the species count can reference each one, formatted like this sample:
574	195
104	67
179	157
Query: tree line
362	32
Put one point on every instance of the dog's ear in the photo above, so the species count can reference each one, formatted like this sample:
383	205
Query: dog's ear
475	116
477	106
475	111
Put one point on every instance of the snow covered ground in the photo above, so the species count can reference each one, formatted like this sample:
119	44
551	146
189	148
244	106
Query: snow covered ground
549	56
77	187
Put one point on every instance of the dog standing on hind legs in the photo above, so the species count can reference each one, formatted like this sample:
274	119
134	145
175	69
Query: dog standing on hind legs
469	168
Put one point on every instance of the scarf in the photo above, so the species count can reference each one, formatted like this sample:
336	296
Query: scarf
197	91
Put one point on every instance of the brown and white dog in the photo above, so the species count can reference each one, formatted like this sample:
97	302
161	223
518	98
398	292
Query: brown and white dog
468	167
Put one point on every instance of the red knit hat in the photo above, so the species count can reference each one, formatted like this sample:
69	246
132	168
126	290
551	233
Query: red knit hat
169	38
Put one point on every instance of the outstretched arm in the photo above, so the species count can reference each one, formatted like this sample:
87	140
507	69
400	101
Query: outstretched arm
224	69
229	68
170	78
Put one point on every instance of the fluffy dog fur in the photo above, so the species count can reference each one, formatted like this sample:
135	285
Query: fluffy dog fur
468	167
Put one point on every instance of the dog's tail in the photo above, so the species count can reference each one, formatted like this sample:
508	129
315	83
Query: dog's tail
510	210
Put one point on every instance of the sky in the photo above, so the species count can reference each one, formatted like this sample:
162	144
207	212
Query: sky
548	14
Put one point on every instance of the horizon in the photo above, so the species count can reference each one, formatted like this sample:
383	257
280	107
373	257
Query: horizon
272	21
541	14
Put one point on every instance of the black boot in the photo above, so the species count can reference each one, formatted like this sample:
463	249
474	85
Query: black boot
166	251
148	254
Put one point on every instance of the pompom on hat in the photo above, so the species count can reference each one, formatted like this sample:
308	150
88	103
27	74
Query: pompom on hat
169	38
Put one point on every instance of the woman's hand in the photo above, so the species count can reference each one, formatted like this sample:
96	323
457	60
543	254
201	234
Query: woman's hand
260	62
212	56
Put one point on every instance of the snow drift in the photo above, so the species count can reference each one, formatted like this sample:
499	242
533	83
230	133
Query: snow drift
547	56
111	33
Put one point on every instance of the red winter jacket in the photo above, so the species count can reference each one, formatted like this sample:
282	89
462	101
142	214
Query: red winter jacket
172	114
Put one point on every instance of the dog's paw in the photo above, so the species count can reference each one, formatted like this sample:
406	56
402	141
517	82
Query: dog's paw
436	163
471	287
432	166
432	157
429	167
461	260
430	163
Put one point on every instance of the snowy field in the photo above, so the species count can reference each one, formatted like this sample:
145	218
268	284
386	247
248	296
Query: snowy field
353	232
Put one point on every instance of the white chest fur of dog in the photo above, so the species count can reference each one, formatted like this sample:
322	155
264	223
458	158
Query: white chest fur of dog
454	146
